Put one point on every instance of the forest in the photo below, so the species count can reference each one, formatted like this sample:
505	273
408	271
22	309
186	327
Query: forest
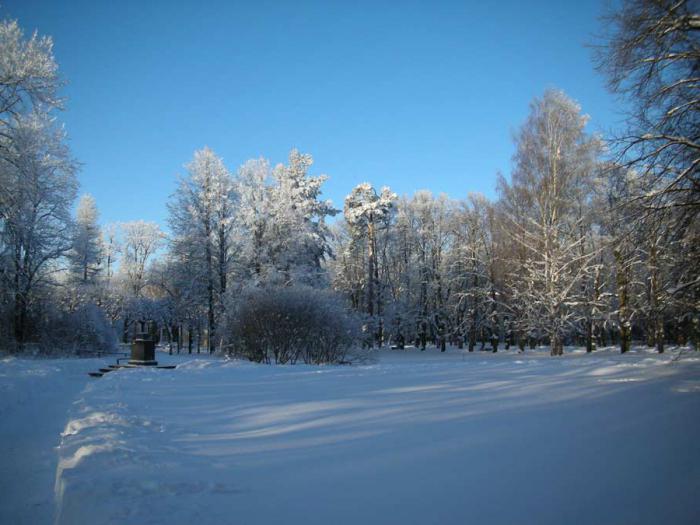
591	241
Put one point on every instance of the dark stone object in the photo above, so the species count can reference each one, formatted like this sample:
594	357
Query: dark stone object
143	352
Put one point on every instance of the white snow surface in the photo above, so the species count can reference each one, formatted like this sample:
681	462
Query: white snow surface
415	437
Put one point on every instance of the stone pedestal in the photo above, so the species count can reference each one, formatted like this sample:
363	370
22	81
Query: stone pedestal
143	352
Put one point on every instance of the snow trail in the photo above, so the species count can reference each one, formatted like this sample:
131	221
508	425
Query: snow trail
36	396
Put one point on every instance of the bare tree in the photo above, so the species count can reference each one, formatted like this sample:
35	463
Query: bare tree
650	54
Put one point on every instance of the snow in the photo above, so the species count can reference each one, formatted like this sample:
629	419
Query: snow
414	437
35	398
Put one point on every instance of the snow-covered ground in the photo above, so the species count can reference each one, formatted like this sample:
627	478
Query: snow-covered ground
415	437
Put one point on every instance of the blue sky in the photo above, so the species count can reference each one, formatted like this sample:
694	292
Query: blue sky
412	95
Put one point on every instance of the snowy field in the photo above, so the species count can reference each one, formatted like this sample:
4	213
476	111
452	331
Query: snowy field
424	438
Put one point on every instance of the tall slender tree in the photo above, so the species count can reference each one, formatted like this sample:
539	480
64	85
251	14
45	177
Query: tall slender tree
86	254
202	219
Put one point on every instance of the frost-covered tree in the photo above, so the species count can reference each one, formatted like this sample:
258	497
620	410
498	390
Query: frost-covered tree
300	236
473	271
650	54
554	164
37	181
431	241
283	233
28	73
254	219
140	241
86	254
110	249
39	186
367	213
202	213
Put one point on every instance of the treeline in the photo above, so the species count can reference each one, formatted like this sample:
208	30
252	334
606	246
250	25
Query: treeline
591	240
569	253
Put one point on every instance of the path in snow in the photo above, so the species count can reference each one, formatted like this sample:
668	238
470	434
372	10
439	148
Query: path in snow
415	438
36	396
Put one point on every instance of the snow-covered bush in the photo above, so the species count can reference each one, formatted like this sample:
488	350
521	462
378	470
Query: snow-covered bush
83	330
290	323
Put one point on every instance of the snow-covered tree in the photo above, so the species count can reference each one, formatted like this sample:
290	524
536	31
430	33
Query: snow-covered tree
86	255
472	264
366	213
650	54
202	213
140	241
283	233
254	218
554	164
39	186
110	249
37	175
300	236
28	73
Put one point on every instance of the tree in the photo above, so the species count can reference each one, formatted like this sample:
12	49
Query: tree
282	230
86	255
110	249
650	52
554	163
650	56
140	241
37	175
202	217
254	219
366	212
299	235
28	74
472	264
35	223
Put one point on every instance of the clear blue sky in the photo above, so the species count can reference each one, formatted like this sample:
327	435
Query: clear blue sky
407	94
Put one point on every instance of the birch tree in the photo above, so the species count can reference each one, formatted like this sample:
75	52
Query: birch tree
553	162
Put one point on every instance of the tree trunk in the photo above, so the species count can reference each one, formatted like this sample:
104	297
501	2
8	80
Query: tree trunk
654	299
589	336
557	346
622	293
20	320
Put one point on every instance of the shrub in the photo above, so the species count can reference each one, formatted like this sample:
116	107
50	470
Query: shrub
290	323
